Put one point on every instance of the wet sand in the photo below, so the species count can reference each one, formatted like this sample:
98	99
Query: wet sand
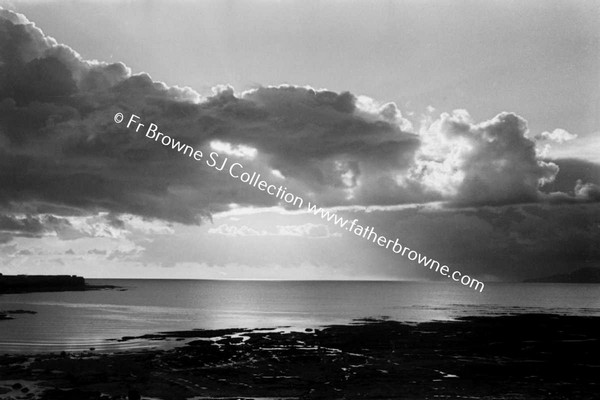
509	357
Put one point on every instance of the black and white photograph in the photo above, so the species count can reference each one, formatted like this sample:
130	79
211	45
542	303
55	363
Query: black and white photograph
299	199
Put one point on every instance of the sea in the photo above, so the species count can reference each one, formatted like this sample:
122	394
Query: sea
93	320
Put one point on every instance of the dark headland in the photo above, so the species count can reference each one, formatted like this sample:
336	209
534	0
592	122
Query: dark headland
45	283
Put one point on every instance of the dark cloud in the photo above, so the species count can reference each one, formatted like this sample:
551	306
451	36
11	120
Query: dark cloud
35	225
512	242
25	226
61	152
60	146
577	181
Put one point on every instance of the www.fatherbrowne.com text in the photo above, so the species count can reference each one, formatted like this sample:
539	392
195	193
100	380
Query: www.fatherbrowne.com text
237	171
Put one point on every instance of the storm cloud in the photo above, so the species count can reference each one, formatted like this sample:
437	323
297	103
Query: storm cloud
60	147
61	152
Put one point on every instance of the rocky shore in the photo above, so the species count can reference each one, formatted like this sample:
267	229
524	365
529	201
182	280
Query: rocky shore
507	357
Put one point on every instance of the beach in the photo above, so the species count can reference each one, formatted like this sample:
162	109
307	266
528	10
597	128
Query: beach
185	339
528	356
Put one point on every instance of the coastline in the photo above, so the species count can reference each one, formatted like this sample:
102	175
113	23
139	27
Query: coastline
14	284
19	284
532	356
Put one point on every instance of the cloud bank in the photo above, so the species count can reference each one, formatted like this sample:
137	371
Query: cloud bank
61	154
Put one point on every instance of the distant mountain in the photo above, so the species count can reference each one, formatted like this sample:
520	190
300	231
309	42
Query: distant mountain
581	275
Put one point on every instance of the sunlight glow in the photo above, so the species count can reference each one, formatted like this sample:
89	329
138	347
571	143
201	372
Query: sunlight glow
229	149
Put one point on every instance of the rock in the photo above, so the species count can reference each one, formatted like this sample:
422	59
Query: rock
133	395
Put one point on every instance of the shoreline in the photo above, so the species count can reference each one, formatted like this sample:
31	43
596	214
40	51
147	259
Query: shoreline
537	356
16	284
85	288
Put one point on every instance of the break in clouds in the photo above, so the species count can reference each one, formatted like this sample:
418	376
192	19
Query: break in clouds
61	155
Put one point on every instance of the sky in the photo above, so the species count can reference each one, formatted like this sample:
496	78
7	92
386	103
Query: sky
468	130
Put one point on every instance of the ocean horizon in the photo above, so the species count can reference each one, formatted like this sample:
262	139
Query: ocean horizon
78	321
